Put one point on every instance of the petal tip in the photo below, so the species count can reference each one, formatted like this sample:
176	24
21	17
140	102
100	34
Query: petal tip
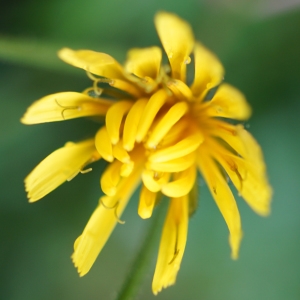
62	53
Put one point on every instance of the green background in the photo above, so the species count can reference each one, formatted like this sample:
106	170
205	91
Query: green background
259	45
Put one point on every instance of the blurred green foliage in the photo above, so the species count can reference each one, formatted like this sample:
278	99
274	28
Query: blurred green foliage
260	49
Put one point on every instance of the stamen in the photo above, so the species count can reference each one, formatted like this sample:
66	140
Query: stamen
96	156
91	76
98	79
154	180
66	108
73	176
98	91
116	215
115	207
80	171
88	91
86	171
106	206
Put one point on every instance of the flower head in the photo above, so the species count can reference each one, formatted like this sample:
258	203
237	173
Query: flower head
160	130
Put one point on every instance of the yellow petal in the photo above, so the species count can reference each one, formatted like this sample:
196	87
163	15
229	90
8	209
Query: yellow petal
146	203
258	182
174	165
98	63
249	179
172	244
253	151
125	86
240	140
228	102
120	153
178	131
175	113
131	123
127	169
114	119
102	222
230	134
103	144
193	199
110	178
182	148
64	106
154	104
178	41
223	198
182	185
144	62
180	90
155	180
60	166
209	72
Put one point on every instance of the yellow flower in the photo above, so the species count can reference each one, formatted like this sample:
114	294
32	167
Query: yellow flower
160	129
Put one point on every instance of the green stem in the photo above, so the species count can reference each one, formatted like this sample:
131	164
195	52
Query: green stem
31	52
42	54
139	267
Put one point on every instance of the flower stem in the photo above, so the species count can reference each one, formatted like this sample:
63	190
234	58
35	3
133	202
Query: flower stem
39	53
139	267
31	52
